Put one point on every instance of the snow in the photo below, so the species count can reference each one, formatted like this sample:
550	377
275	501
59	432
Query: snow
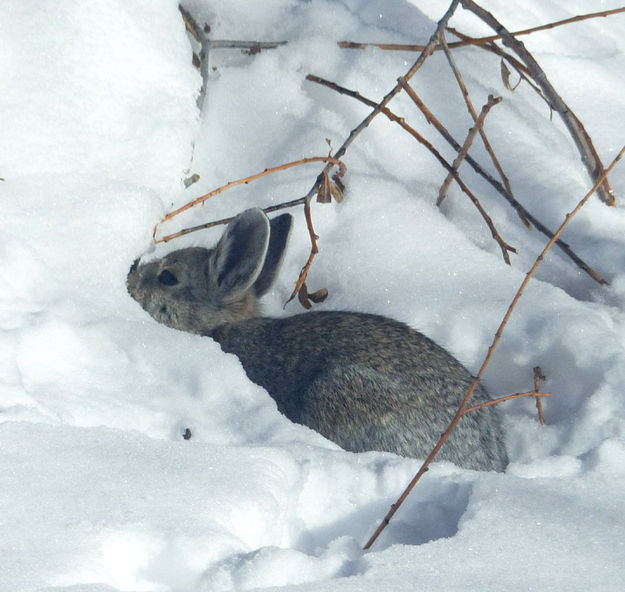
100	492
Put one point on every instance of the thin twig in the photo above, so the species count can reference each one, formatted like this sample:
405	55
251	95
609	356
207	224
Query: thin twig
480	40
489	355
506	398
582	140
524	214
250	46
552	25
538	376
287	204
425	53
379	107
301	280
503	245
200	200
473	113
197	32
478	127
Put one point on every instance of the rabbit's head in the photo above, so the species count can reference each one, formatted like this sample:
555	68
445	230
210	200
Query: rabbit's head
197	289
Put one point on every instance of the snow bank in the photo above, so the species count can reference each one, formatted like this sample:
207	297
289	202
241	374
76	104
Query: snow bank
101	492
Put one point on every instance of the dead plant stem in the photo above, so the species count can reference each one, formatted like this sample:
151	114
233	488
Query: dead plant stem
477	128
582	140
491	350
473	113
482	40
200	200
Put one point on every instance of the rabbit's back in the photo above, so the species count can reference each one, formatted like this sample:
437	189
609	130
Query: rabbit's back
367	383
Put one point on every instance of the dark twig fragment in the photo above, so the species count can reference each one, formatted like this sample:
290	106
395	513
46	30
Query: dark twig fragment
538	376
200	60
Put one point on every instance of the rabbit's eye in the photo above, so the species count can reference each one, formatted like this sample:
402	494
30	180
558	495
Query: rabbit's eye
167	278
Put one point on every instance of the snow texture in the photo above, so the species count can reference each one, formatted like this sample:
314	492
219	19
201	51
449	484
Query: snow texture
100	492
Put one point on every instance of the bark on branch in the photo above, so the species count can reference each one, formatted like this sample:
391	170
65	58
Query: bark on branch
582	140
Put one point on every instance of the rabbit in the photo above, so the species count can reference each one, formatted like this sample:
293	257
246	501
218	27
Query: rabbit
363	381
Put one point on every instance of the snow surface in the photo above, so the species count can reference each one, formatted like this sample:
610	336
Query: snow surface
99	490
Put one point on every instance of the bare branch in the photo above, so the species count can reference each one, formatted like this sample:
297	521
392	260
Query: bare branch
379	107
479	40
431	118
552	25
478	127
506	398
249	46
425	466
584	144
200	200
522	211
282	206
467	100
503	245
301	280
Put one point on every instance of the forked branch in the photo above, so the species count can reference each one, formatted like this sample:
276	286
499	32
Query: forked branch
379	107
478	127
431	118
498	400
471	109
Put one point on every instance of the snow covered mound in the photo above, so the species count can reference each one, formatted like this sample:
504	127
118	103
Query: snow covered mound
100	491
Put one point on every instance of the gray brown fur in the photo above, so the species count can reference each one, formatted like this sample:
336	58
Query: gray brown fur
363	381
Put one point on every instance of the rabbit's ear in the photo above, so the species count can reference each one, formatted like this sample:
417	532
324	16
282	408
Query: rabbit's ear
280	231
238	258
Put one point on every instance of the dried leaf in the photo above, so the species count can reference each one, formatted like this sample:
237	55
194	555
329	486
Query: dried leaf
302	296
337	188
329	189
505	76
305	298
324	195
318	296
